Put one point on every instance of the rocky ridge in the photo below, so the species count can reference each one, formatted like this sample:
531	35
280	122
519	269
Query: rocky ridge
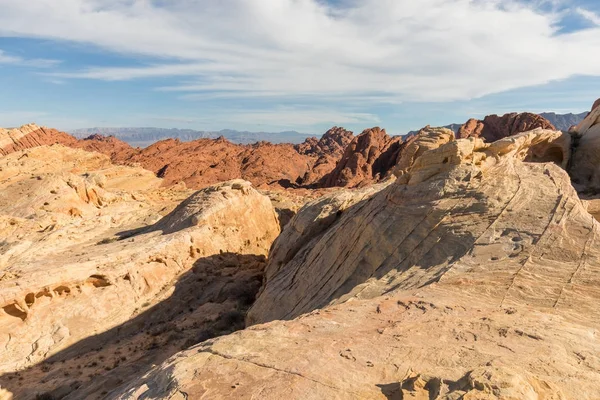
338	159
472	275
494	127
31	135
204	162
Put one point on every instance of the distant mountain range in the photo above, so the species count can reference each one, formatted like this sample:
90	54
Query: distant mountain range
563	122
145	136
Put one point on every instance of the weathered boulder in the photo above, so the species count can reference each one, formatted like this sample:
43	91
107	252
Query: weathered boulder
426	139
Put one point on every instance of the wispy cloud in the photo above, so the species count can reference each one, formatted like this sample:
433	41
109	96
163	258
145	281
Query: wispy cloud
388	50
6	58
589	15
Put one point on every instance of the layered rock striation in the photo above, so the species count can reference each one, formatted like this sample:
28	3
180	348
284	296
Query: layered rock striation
29	136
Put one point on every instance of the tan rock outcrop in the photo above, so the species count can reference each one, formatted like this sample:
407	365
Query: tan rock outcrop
473	275
426	139
97	253
451	179
585	166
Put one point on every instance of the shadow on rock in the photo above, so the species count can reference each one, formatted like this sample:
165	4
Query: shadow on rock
209	300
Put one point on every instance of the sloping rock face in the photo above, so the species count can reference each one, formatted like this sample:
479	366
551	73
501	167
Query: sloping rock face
411	232
473	275
585	166
494	127
78	243
366	160
332	143
29	136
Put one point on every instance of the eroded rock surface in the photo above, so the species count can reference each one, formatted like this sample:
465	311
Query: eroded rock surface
471	270
409	233
472	275
88	256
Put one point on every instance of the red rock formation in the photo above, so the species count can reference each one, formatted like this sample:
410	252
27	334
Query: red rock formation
204	162
494	127
326	153
332	143
596	104
116	149
29	136
366	159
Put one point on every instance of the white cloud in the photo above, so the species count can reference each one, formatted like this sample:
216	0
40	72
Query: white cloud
393	50
589	15
6	58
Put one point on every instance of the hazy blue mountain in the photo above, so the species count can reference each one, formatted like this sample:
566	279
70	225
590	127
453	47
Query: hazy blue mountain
564	121
146	136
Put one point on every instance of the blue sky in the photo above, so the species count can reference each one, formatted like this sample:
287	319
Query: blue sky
305	65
